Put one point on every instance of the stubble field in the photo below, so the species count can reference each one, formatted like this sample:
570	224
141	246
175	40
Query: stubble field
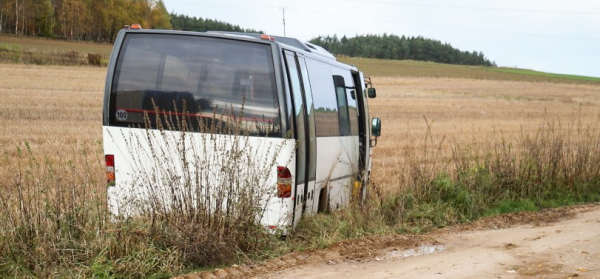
431	116
57	111
52	113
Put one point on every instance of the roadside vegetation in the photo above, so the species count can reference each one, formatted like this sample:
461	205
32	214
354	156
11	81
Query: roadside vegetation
554	164
454	148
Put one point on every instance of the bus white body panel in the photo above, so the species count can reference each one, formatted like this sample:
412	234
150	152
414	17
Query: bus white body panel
161	168
337	166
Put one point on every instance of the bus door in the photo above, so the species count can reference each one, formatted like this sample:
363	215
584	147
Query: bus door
309	192
304	133
363	128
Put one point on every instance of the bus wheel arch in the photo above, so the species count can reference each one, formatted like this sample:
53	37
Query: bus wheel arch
323	206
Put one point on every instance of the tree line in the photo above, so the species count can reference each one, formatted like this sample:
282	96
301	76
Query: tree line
186	23
400	48
91	20
96	20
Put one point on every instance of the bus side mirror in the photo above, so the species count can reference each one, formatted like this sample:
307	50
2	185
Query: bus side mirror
371	92
376	127
375	131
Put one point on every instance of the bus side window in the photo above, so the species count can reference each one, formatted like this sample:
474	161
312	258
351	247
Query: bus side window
342	103
326	110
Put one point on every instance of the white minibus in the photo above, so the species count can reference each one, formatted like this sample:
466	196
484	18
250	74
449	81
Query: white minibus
171	98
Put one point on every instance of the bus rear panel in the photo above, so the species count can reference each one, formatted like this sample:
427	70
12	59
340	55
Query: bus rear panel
187	116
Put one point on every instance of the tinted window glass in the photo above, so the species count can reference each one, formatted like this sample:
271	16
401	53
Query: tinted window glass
299	112
352	111
181	82
312	144
342	103
325	104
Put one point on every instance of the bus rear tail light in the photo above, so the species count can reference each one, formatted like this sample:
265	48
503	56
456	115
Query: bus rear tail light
284	182
110	169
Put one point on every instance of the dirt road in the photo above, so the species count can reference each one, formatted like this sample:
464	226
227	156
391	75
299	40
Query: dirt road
558	243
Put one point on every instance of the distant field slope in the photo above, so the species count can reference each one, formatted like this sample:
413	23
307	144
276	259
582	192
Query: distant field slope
34	44
41	51
381	67
17	49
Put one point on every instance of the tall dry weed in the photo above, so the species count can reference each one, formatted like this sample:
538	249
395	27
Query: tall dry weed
202	211
204	192
555	163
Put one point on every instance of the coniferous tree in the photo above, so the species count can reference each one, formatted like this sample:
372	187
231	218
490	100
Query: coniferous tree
186	23
403	48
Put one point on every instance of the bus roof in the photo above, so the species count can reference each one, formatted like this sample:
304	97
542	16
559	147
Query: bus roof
308	47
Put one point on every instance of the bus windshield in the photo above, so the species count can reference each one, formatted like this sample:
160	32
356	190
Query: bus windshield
185	82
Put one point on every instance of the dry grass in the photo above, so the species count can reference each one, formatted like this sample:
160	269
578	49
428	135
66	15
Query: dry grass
48	45
51	162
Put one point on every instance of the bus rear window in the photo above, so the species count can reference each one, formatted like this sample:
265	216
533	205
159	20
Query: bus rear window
182	82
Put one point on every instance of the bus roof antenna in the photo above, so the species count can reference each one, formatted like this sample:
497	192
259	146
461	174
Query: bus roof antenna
283	11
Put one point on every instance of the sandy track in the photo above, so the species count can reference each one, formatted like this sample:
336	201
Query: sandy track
555	243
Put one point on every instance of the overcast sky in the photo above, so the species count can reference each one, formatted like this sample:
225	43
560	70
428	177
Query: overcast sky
558	36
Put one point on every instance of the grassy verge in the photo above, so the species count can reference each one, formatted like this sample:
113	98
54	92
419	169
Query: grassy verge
54	222
48	45
14	54
554	165
40	51
55	225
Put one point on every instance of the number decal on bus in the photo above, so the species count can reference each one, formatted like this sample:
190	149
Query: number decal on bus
121	115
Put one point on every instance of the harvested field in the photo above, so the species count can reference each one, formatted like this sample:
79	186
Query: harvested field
469	113
50	107
56	108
